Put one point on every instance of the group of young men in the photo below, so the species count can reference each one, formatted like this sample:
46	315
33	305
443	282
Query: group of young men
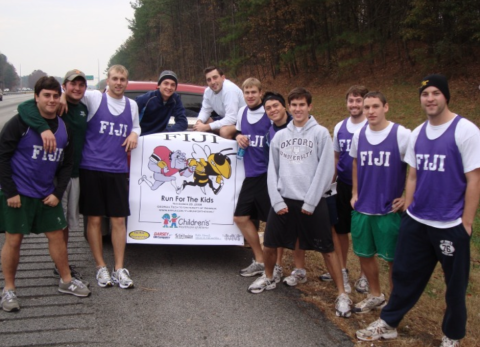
413	230
297	180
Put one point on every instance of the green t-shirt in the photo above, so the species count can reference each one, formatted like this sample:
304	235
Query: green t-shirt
75	118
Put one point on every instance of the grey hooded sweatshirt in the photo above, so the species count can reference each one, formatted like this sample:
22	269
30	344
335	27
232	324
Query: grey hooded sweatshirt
301	165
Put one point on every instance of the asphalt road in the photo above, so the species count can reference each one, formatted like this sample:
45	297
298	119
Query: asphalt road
183	296
8	107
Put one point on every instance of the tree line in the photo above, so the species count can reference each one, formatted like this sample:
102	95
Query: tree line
322	37
8	74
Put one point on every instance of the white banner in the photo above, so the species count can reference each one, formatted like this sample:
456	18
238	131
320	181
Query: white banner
184	189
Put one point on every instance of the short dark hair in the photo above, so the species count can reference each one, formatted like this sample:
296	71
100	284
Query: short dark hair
299	93
49	83
377	95
356	91
211	68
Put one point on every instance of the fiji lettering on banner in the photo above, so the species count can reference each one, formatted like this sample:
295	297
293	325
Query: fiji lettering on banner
184	189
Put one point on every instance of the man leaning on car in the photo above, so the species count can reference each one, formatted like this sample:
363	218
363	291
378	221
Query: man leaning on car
156	107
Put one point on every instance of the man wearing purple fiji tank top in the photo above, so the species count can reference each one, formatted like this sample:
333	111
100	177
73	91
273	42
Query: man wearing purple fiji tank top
112	130
253	201
378	181
443	190
342	139
29	198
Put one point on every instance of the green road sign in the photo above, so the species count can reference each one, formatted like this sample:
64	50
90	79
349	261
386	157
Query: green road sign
89	77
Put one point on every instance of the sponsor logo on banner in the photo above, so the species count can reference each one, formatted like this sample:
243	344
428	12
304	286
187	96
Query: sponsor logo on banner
161	235
193	223
232	237
206	237
183	236
139	235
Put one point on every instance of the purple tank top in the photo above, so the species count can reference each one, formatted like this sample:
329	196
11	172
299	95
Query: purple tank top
441	183
344	165
106	133
254	159
33	169
380	173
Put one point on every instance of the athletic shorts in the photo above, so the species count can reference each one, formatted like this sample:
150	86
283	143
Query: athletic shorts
344	209
70	204
332	209
32	217
254	200
373	234
313	231
103	194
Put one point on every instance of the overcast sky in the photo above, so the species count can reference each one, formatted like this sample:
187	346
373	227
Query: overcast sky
59	35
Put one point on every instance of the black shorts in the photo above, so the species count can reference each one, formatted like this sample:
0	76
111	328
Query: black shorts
253	200
332	209
313	231
104	194
344	209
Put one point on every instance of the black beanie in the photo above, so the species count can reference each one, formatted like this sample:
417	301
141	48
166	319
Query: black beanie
273	96
438	81
167	74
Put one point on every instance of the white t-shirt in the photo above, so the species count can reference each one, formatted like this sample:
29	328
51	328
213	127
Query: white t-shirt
376	137
467	138
93	98
252	116
225	103
351	127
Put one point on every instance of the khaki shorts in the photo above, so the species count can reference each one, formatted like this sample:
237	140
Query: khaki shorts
70	204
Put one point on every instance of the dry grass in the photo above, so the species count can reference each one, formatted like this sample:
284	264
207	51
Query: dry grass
422	325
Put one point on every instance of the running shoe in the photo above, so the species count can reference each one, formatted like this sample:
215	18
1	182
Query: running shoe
361	285
122	278
370	303
74	287
343	306
103	277
277	273
377	330
9	301
253	269
326	277
74	273
262	283
297	276
446	342
346	284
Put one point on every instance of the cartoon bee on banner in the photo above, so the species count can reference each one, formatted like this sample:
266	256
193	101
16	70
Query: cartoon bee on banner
206	165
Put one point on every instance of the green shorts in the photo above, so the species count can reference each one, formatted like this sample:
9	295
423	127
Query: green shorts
32	217
375	234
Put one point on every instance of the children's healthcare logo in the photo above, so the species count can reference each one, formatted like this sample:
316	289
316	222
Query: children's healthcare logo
170	221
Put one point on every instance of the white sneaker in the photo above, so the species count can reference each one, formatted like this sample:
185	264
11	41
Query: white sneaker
122	278
253	269
262	283
103	277
343	306
277	273
361	285
297	276
446	342
370	303
326	277
377	330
